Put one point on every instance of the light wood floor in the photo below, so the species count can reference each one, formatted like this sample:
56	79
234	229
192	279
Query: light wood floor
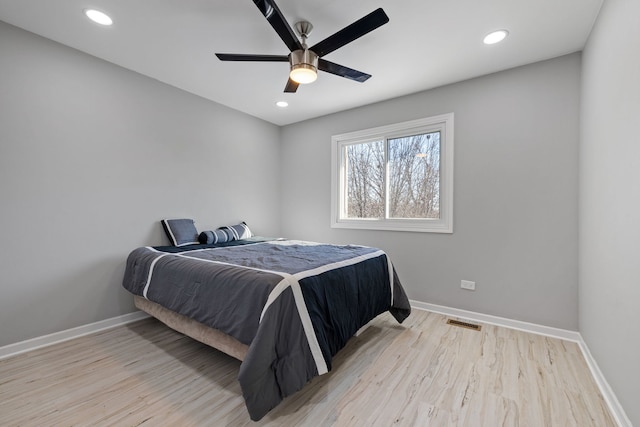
421	373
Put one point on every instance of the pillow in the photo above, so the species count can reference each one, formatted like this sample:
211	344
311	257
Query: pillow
215	236
225	234
180	231
239	232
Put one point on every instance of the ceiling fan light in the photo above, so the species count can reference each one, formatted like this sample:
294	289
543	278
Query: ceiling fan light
304	66
303	73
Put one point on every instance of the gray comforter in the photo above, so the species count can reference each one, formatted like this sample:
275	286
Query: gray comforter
294	303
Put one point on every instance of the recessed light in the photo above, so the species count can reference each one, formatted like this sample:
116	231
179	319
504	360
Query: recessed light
282	104
495	37
98	17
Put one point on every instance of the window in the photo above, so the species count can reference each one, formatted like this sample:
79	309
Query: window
395	177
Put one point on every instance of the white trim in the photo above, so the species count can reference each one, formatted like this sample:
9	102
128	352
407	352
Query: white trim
519	325
69	334
289	281
444	124
391	279
173	238
338	264
275	293
607	393
305	319
153	264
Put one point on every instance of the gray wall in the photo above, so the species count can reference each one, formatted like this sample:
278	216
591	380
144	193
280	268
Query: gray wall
515	185
91	157
609	267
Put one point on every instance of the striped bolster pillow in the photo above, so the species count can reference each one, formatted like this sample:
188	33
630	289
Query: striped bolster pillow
225	234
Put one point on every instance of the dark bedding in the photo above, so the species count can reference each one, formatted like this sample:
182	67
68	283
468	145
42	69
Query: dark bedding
294	303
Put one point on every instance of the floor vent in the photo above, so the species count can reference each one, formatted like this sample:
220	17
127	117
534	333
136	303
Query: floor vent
464	324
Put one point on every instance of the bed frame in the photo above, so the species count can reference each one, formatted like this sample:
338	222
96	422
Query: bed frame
196	330
199	332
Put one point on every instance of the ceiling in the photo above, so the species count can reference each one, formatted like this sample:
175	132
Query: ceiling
427	43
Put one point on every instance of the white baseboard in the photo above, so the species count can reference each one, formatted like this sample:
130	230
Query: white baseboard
607	393
548	331
57	337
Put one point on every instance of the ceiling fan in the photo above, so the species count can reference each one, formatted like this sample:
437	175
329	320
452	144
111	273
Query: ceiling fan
305	61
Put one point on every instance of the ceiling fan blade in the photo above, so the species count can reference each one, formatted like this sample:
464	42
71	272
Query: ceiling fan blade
351	32
271	11
243	57
342	71
291	86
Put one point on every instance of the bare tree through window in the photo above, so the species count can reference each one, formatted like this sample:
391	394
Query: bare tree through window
414	176
407	167
365	180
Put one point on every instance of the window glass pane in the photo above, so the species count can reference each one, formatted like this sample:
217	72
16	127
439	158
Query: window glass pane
395	177
414	176
364	164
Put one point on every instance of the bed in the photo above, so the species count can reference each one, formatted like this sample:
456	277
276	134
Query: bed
282	307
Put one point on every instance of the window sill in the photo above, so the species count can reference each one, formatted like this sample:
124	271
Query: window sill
416	226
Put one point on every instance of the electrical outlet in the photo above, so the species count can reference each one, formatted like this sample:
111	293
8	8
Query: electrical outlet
468	285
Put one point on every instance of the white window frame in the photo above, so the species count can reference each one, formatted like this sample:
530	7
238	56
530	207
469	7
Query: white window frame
443	124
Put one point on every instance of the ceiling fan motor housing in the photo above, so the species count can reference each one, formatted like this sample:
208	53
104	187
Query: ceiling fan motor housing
305	62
